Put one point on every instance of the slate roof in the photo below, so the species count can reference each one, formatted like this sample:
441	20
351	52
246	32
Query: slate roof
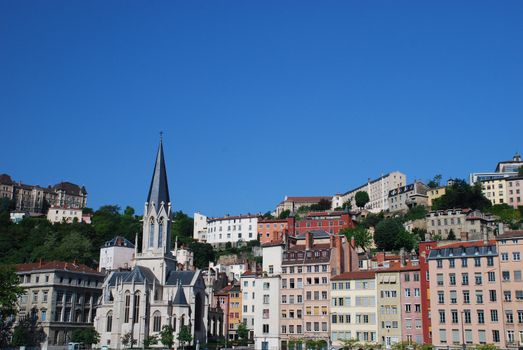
179	298
316	234
464	250
185	277
6	179
159	190
139	274
119	241
70	188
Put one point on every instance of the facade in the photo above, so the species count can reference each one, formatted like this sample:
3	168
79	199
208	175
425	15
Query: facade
435	193
235	311
270	230
118	253
267	319
466	295
331	222
405	197
223	302
377	189
232	229
466	224
510	248
353	307
248	285
200	227
410	302
67	215
63	296
514	188
294	203
137	303
503	169
389	307
495	190
36	200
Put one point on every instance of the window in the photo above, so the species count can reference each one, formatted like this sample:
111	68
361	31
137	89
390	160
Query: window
441	316
516	256
492	295
452	278
43	315
464	262
478	278
439	264
481	316
479	297
507	295
151	233
466	316
452	263
136	307
454	314
266	298
509	316
517	275
465	279
504	256
157	322
441	298
127	305
505	275
466	297
494	316
477	262
265	328
160	233
453	297
439	279
491	276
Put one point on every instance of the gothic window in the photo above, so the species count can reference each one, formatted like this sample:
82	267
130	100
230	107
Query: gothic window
127	305
157	321
109	326
136	307
160	233
151	233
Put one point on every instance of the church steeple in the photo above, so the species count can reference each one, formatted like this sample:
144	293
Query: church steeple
159	190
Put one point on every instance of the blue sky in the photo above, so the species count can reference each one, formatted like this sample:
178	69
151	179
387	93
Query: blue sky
256	99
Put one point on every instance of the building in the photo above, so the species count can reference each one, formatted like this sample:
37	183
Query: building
308	262
353	307
503	169
466	224
495	190
36	200
67	215
389	307
435	193
377	189
118	253
223	302
466	295
292	204
234	315
137	303
270	230
63	296
234	230
267	318
248	286
510	248
410	301
331	222
200	227
514	188
408	196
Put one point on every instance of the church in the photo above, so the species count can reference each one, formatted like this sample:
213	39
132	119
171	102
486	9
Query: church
136	304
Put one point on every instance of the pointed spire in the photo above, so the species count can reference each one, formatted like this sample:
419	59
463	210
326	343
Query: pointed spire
159	191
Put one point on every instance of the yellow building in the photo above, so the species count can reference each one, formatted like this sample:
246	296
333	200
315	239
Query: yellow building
235	311
495	190
434	193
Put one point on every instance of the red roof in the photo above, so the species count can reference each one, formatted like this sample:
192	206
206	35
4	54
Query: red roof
466	244
396	267
224	291
266	221
56	265
308	199
510	234
273	243
249	273
355	275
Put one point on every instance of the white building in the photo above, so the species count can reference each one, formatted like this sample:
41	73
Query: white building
138	303
233	271
200	227
248	284
267	317
503	169
378	191
232	229
118	253
68	215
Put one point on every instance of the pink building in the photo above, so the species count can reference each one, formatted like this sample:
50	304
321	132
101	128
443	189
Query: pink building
466	295
411	325
515	191
510	247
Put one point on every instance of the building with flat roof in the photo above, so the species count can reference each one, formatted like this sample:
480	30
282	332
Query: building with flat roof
293	203
503	169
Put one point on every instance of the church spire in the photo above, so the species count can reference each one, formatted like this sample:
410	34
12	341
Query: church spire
159	190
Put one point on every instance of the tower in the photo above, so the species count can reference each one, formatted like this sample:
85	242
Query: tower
156	223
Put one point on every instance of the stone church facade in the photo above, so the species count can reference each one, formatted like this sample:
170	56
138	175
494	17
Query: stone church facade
138	303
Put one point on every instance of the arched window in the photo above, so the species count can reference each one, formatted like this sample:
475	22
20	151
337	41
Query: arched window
109	326
157	321
136	307
127	305
160	233
151	233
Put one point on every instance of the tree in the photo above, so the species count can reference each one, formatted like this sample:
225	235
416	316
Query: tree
128	340
349	344
404	345
27	332
462	195
315	344
361	235
150	340
426	347
451	236
435	182
182	227
323	204
520	170
284	214
390	234
361	198
243	333
10	291
203	253
416	213
88	336
507	214
166	336
184	336
486	347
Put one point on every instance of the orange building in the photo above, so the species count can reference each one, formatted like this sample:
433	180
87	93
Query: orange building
235	311
271	230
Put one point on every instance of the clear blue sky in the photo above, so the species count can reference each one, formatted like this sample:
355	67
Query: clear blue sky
257	99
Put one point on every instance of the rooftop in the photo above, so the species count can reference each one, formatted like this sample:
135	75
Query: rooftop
355	275
56	265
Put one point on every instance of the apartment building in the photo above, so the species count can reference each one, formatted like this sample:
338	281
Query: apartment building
200	227
118	253
267	319
353	307
435	193
68	215
389	306
248	284
377	189
514	188
405	197
63	296
410	302
466	296
503	169
466	224
235	311
308	262
510	249
270	230
232	230
331	222
223	302
495	190
294	203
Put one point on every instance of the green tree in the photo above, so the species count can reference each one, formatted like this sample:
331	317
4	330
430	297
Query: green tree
88	336
315	344
323	204
150	340
435	182
361	235
184	336
404	345
426	347
390	234
27	332
486	347
182	227
416	213
6	205
203	254
361	198
10	291
74	247
128	340
284	214
507	214
451	236
243	333
462	195
373	219
166	336
349	344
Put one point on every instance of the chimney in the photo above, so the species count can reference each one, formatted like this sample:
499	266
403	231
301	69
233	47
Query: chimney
501	228
309	240
403	257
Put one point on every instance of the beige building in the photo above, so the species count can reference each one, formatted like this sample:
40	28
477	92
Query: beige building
67	215
294	203
408	196
495	190
63	296
353	307
377	189
388	307
466	224
435	193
